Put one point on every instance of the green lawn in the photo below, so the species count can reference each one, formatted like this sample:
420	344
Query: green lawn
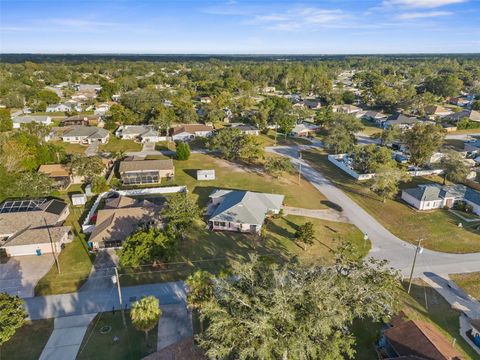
268	139
469	282
131	342
71	148
213	251
116	145
232	176
75	262
28	342
438	228
370	128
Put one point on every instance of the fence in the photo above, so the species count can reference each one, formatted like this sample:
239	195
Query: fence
337	160
88	228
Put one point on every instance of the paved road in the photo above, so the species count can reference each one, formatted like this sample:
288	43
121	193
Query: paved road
101	300
385	245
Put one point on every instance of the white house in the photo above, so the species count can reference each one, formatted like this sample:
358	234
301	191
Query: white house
242	211
429	197
80	134
246	129
101	109
205	174
19	120
57	108
302	130
143	133
190	131
346	109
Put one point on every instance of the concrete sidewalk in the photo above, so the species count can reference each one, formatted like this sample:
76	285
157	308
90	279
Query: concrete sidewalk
324	214
66	338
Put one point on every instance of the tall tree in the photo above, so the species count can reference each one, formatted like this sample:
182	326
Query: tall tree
181	211
268	311
12	316
145	314
341	133
200	290
368	158
87	166
183	151
386	181
422	141
277	165
454	167
6	123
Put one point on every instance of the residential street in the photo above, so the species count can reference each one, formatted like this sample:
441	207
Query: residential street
385	245
101	300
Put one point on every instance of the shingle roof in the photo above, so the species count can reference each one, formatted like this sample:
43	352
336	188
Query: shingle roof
420	339
54	170
41	235
191	128
89	131
145	165
30	118
472	196
245	206
401	119
424	193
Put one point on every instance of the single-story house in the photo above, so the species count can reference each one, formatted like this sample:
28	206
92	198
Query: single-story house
374	116
346	109
242	211
471	115
206	174
33	227
27	119
190	131
60	174
58	108
143	133
400	120
312	104
121	217
429	197
80	134
415	339
459	101
88	87
246	129
137	172
85	120
304	130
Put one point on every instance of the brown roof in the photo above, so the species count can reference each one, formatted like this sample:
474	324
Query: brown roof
41	235
420	339
191	128
54	170
122	218
145	165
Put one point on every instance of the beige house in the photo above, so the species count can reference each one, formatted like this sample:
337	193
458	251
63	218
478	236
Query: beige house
138	172
33	227
60	174
120	218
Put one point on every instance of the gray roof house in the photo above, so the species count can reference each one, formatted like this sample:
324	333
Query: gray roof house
242	211
80	134
142	133
27	119
401	121
471	115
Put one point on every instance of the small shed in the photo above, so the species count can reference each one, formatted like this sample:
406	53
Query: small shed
205	174
79	199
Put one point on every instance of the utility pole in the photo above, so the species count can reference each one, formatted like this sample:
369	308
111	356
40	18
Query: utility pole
300	167
276	130
54	251
117	280
418	250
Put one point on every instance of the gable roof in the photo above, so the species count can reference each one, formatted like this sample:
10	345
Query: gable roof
30	118
437	192
54	170
191	128
245	207
420	339
40	235
401	119
87	131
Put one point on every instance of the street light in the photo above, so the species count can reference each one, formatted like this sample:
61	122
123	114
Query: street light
418	250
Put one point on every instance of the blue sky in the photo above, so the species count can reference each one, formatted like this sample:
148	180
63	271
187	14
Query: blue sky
240	27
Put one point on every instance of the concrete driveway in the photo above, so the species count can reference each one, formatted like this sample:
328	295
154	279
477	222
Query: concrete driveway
102	271
19	275
92	149
175	325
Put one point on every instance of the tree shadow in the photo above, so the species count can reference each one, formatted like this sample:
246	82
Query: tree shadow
332	205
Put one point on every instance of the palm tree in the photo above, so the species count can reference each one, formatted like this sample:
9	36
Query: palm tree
145	314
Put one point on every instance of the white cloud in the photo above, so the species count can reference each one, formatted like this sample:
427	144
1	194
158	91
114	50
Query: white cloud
299	18
422	3
421	15
80	23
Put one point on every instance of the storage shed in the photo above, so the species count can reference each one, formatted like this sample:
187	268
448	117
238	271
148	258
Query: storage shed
205	174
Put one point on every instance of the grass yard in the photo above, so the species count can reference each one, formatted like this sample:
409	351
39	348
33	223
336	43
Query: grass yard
369	128
233	176
453	144
75	262
438	228
470	283
28	342
116	145
71	148
131	342
213	251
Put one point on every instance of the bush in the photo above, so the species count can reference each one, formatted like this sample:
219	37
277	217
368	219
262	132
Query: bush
183	151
